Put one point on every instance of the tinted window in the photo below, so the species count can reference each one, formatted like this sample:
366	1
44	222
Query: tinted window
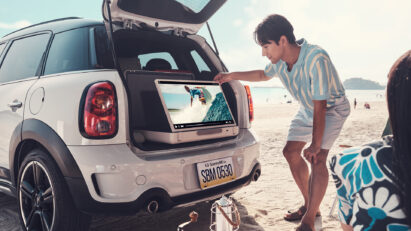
195	6
23	58
201	65
100	49
2	47
69	52
159	55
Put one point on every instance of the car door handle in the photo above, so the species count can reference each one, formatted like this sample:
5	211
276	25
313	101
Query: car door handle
15	104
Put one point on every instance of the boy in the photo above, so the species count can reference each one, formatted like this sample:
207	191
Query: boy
309	75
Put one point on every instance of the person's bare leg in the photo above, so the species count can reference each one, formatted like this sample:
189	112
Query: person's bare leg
346	227
319	182
309	186
298	166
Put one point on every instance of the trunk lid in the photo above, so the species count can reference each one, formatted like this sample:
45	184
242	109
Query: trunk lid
163	15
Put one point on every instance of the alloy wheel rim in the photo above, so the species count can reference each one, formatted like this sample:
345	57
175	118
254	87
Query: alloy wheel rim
36	194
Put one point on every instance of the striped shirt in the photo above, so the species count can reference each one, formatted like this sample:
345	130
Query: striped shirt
313	77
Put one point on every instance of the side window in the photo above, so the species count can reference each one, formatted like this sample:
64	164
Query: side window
69	52
164	56
23	58
100	48
201	65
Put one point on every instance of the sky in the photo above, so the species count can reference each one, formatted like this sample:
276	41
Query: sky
363	38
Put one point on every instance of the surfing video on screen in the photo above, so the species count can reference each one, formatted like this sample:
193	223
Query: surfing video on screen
194	105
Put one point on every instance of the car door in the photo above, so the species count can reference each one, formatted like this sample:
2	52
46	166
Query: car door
19	70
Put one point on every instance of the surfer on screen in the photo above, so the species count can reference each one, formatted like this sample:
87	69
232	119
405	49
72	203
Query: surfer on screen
196	91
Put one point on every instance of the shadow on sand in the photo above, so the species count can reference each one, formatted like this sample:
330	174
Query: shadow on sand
166	221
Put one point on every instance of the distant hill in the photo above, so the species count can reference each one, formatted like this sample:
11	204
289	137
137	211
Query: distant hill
362	84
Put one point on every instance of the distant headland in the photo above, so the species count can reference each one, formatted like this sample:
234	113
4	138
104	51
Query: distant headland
362	84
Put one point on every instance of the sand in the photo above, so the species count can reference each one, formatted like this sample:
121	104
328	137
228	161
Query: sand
263	203
275	192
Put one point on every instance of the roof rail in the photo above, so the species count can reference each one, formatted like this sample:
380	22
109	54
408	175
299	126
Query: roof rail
54	20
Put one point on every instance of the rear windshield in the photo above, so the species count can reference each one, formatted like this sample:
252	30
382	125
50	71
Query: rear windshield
145	58
185	11
154	51
195	6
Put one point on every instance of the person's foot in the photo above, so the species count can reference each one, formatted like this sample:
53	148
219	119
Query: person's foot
304	227
297	214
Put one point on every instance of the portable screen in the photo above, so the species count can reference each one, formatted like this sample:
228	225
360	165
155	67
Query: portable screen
193	105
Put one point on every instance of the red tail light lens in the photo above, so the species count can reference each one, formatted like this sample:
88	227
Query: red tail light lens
100	111
250	102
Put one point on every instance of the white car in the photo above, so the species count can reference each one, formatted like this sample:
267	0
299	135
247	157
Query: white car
71	109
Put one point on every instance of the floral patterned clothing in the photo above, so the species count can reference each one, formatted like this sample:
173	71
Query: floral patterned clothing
368	198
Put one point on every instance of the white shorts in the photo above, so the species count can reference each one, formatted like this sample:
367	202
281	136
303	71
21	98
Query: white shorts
301	127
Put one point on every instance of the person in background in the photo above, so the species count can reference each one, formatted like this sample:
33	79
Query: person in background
355	103
374	181
309	75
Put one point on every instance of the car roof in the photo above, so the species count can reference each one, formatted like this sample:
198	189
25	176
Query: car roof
56	26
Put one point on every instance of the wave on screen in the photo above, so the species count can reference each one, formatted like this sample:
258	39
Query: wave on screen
191	114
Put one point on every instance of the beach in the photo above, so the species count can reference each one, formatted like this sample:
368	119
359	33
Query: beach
263	203
275	192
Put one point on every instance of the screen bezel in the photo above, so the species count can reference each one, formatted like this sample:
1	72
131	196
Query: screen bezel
199	82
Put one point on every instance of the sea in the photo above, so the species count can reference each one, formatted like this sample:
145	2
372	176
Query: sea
278	95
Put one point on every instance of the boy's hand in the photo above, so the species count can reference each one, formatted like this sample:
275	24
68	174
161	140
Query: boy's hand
310	154
222	77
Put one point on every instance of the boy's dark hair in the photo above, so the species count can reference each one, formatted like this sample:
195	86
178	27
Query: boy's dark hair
272	28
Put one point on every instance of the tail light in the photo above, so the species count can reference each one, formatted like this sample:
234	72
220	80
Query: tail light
99	117
250	102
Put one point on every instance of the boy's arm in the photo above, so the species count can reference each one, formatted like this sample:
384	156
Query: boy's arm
320	74
252	76
320	109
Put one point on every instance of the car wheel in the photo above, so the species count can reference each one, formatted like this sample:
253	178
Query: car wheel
44	201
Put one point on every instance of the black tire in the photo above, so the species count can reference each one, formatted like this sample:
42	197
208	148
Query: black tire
43	198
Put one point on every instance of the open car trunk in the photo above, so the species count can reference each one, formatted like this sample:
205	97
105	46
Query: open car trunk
143	57
186	16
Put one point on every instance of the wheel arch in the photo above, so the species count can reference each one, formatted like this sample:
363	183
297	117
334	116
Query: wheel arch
33	133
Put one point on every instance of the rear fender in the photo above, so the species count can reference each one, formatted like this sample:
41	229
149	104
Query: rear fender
39	132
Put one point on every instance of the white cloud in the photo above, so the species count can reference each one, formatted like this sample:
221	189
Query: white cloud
16	25
363	38
238	22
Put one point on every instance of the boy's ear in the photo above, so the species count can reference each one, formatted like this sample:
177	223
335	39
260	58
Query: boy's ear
283	40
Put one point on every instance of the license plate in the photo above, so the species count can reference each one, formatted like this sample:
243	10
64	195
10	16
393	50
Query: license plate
215	172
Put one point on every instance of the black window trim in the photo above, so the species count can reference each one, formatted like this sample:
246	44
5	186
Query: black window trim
5	46
92	56
4	51
92	44
43	58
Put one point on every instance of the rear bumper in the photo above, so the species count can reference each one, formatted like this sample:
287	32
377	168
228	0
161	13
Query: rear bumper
118	181
85	203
